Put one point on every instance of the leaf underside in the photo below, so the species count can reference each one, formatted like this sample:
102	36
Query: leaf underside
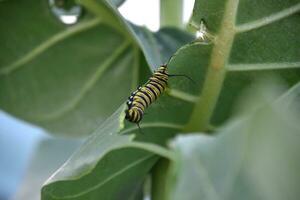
251	157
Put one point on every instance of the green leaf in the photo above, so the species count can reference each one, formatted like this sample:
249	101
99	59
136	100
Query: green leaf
253	157
117	2
251	39
61	77
52	76
166	117
109	165
112	158
93	161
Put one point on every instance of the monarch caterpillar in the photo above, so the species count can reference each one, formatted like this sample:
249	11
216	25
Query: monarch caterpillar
140	99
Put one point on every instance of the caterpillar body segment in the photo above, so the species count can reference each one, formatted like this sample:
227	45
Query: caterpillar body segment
146	94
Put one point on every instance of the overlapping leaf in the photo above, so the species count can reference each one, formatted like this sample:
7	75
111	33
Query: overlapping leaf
110	165
61	77
254	157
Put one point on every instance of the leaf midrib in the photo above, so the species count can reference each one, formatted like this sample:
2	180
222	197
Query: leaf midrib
158	150
262	66
100	184
268	19
203	110
211	89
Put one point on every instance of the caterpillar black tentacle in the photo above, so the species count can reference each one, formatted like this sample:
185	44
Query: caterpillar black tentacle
182	75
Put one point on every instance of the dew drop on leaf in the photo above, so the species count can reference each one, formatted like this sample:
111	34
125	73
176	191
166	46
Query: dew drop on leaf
203	35
67	11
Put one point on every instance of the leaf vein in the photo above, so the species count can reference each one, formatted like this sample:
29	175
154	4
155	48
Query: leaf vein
152	125
88	85
47	44
100	184
268	20
262	66
182	95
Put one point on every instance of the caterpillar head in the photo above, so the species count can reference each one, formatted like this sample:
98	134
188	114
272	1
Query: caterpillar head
127	115
134	114
129	103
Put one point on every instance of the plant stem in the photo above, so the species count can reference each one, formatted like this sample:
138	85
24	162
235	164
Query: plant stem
204	108
171	13
159	177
